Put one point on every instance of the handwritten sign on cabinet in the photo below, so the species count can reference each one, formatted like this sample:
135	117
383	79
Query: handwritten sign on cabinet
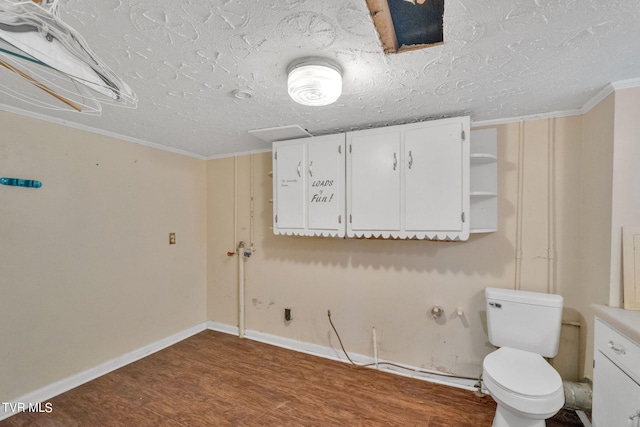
324	193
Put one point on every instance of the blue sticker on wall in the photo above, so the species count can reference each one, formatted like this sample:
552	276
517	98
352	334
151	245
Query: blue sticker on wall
18	182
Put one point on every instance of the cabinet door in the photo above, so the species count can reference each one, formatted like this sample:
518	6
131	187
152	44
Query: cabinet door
616	397
325	183
289	186
433	178
373	192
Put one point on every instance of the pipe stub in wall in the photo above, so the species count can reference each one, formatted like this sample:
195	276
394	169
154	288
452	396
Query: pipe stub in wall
437	312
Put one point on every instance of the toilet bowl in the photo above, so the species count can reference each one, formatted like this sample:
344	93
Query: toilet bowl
526	388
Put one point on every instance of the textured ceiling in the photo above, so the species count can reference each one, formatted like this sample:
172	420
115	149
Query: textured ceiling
184	58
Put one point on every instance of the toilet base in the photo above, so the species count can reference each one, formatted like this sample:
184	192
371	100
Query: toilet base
507	418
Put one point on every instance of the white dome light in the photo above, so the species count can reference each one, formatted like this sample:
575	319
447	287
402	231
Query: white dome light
314	81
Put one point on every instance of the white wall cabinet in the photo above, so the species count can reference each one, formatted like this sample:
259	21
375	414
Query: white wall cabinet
409	181
429	180
309	186
616	379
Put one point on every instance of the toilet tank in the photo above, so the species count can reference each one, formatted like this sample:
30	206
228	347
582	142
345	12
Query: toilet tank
529	321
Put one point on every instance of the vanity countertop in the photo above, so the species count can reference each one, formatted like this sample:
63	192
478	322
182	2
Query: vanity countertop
627	322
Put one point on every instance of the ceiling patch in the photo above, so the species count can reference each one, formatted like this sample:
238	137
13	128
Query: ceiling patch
405	25
308	30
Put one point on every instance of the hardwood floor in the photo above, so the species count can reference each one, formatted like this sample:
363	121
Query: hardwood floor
215	379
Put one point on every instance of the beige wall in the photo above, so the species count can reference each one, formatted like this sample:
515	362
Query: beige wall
610	200
392	285
86	271
626	181
595	217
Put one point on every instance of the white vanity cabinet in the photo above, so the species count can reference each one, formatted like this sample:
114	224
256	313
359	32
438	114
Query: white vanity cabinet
409	181
308	186
616	378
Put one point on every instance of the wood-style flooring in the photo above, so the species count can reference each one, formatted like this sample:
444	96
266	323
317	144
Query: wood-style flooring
215	379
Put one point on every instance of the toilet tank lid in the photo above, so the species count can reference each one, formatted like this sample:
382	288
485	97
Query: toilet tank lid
524	297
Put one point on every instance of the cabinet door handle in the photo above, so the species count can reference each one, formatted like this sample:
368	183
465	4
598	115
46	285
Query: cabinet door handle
311	168
410	159
618	349
299	166
634	419
395	161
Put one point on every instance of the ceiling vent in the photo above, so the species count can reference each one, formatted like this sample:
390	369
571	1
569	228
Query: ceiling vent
280	133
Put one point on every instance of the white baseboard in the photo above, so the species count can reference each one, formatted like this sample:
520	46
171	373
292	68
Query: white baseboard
337	354
73	381
222	327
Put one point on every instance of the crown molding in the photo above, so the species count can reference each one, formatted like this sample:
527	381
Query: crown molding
601	95
595	100
90	129
626	84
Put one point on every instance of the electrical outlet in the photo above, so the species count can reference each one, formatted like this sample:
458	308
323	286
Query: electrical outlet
172	238
287	315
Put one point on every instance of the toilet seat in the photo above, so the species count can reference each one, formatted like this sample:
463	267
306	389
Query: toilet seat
524	381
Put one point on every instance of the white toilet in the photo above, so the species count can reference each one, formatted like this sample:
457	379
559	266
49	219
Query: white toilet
526	327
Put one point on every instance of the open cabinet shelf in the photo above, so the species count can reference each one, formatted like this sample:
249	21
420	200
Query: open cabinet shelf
484	181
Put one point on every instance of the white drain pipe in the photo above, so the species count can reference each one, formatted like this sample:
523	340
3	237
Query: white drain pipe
375	347
240	253
518	249
551	207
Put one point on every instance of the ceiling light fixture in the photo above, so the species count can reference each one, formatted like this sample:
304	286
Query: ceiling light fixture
314	81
